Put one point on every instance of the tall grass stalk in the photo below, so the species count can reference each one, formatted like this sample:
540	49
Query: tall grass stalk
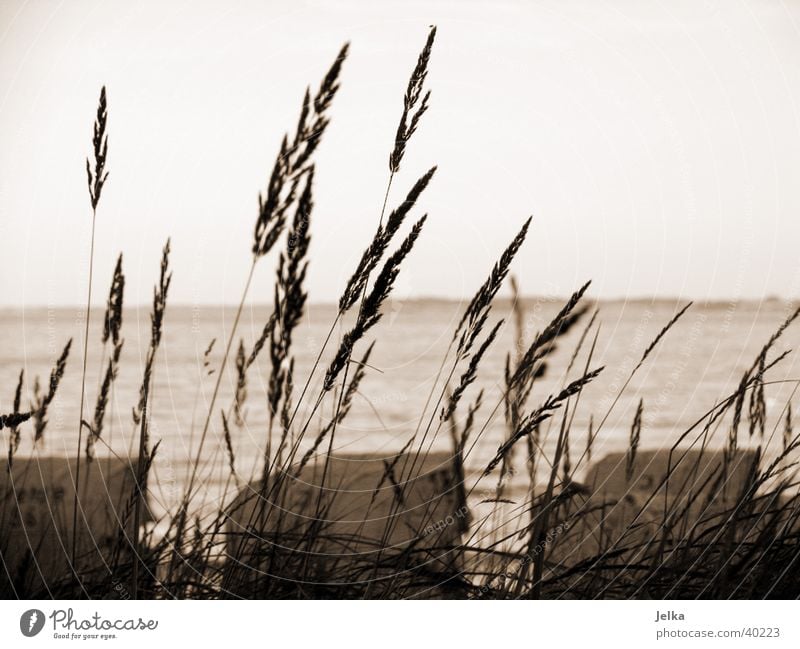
291	165
142	412
415	104
96	178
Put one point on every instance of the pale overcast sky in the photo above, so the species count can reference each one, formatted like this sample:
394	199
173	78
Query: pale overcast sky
656	144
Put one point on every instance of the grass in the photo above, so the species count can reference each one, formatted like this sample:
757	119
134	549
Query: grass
312	524
96	179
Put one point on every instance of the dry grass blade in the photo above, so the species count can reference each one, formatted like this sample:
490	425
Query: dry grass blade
513	396
97	177
240	393
377	247
228	444
370	312
787	428
733	432
757	411
355	382
289	304
469	421
96	180
478	308
342	411
567	468
290	294
292	160
112	326
112	321
519	316
469	375
580	342
308	133
259	343
661	334
761	358
141	414
291	163
545	411
103	396
207	354
42	401
156	333
286	410
541	345
636	430
415	103
14	419
459	445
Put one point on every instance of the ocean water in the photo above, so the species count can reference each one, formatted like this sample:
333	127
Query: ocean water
700	361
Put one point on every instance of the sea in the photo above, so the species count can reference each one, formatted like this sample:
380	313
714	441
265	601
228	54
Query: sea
698	363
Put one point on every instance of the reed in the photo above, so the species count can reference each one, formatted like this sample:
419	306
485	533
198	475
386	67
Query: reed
368	316
357	288
13	420
374	252
469	327
41	401
290	303
228	443
96	178
788	431
112	325
470	374
371	312
141	413
347	400
477	311
636	431
541	414
291	165
415	103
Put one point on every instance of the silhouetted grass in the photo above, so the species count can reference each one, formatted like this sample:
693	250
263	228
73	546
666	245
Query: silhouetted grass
717	524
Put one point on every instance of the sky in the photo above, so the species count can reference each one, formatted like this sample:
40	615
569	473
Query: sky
655	144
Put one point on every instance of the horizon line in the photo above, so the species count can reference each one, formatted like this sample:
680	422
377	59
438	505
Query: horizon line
428	298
